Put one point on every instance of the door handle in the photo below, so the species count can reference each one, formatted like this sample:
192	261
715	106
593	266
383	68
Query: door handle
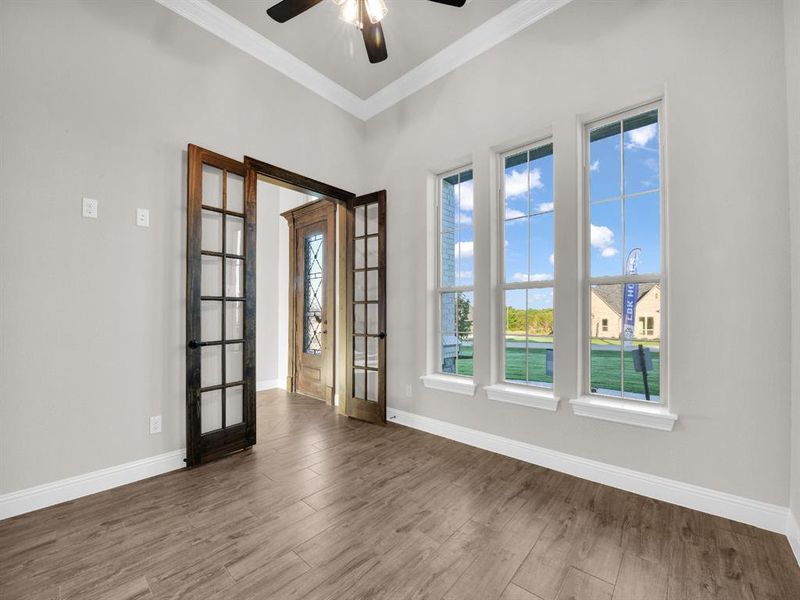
194	344
382	335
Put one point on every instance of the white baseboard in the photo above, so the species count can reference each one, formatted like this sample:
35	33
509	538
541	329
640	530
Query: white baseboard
793	533
49	494
270	384
753	512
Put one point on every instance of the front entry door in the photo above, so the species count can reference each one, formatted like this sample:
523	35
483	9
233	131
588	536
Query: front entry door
366	297
220	306
313	299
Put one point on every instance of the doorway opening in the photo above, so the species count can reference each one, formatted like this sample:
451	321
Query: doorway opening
335	298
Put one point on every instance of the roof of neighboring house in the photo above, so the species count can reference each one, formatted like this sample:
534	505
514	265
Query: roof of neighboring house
612	294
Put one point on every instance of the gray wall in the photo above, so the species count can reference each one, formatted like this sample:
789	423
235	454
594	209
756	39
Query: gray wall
269	287
792	28
100	99
721	68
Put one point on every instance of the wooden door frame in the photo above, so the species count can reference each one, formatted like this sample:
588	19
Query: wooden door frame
300	216
299	183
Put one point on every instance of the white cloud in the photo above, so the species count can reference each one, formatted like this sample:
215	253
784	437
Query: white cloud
536	179
545	207
464	274
602	238
517	182
522	277
513	213
464	219
595	166
609	252
552	259
464	249
466	196
639	138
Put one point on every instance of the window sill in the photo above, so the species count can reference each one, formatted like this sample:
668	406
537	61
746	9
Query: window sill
449	383
517	394
629	413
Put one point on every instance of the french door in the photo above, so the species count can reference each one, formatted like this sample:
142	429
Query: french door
366	298
220	306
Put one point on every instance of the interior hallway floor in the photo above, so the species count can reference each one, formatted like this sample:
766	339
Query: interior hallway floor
329	508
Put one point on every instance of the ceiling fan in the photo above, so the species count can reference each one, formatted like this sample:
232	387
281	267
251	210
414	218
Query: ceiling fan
366	15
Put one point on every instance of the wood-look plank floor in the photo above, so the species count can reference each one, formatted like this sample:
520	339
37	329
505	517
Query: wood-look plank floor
328	508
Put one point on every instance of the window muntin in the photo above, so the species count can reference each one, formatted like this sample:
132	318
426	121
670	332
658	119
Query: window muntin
455	279
313	250
528	265
624	241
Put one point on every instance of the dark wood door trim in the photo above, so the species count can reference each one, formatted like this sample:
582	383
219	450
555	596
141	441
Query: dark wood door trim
297	182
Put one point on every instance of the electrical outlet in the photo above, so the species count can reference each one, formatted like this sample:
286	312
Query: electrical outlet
143	217
409	390
155	424
89	208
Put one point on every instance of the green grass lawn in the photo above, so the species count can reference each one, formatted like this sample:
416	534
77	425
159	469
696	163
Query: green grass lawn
605	369
606	373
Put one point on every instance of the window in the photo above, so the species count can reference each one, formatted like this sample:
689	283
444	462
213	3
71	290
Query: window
528	265
646	326
455	279
624	258
314	249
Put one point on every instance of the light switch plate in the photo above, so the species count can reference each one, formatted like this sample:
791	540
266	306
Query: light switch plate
155	424
143	217
89	206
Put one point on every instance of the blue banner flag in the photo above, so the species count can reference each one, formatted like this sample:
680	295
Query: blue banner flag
631	296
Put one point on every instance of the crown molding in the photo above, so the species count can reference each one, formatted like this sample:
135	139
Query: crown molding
497	29
217	21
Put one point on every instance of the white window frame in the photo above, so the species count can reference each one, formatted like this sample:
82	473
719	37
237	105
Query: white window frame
440	290
504	286
613	408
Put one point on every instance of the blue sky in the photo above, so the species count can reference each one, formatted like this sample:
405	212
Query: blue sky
529	214
641	227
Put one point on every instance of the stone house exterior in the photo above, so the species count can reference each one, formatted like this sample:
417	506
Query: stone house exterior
607	311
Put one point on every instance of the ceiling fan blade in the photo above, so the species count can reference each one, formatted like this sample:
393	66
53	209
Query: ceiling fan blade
288	9
458	3
375	42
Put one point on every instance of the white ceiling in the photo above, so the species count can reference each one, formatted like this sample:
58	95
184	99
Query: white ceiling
415	31
331	63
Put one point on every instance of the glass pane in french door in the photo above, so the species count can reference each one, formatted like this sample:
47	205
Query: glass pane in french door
222	291
366	327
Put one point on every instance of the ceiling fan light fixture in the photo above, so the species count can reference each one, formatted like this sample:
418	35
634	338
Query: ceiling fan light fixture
350	12
376	10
